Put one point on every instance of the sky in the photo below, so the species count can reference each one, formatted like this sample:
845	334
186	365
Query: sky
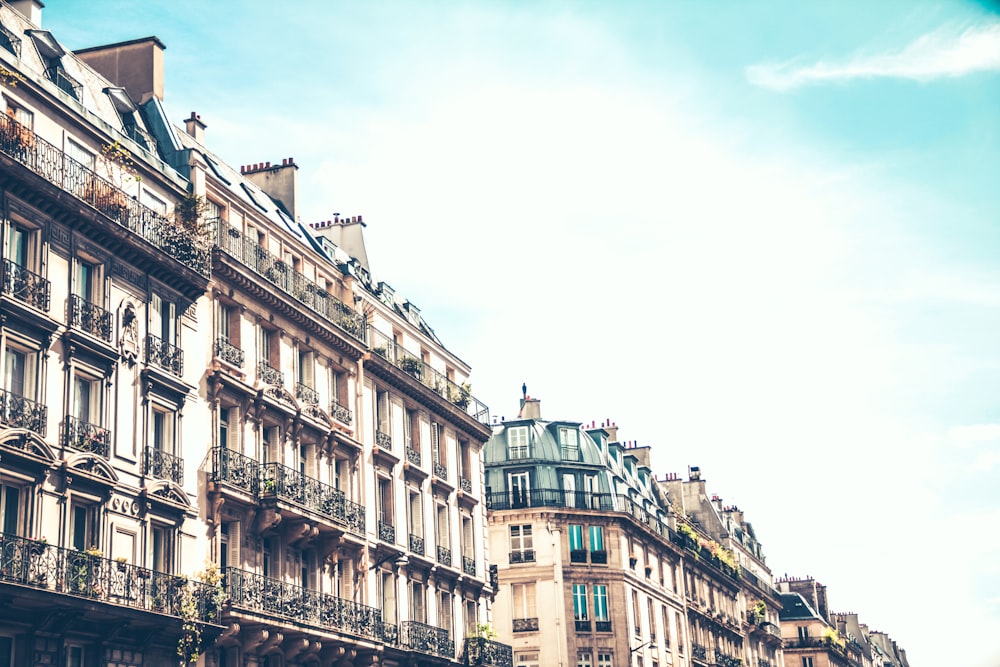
760	237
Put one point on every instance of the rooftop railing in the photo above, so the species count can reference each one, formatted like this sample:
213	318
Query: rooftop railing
51	163
438	382
249	253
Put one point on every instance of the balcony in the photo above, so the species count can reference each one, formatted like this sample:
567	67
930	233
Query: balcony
469	565
20	412
289	485
235	470
426	639
55	569
25	286
699	652
522	556
465	484
162	465
458	395
525	625
599	557
413	456
444	555
482	651
494	577
383	440
514	499
248	252
440	471
602	626
165	355
344	415
229	353
87	437
268	374
48	161
386	532
723	660
582	625
264	595
578	555
416	544
306	394
89	317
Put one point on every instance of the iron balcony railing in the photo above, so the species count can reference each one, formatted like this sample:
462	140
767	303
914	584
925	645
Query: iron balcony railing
236	470
47	567
90	317
482	651
87	437
458	395
306	394
699	652
525	625
413	456
165	355
268	374
724	660
163	465
522	556
444	555
602	626
515	498
51	163
465	484
292	486
259	594
64	81
20	412
416	544
426	639
383	440
469	565
26	286
249	253
440	471
494	575
582	625
342	414
229	353
386	532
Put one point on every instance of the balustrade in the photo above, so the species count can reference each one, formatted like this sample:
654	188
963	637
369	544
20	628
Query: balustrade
164	465
235	469
90	317
426	639
292	486
343	414
268	374
165	355
482	651
229	353
20	412
25	286
306	394
87	437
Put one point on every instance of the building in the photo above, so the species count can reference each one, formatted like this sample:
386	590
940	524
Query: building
220	439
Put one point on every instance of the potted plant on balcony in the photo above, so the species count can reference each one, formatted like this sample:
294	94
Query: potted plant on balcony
14	136
460	395
411	365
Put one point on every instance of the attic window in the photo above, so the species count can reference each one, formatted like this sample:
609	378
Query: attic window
252	198
127	111
10	41
52	52
215	168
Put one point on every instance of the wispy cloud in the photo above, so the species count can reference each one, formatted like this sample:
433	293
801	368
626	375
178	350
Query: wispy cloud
946	52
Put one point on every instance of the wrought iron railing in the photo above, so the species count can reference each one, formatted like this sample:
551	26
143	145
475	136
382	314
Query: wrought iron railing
87	437
482	651
494	571
522	556
724	660
20	412
10	41
51	163
525	625
235	469
426	639
71	572
165	355
440	471
459	395
64	81
413	456
268	374
465	484
163	465
342	414
416	544
229	353
386	532
90	317
602	626
444	555
248	252
599	557
306	394
259	594
292	486
698	652
383	440
582	625
503	500
469	565
26	286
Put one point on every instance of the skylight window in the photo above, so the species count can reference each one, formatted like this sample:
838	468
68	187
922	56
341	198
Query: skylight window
217	170
252	198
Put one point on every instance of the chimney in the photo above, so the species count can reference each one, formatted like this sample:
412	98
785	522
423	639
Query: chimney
136	66
278	181
29	9
195	127
531	408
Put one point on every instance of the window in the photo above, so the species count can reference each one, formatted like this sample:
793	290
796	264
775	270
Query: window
415	521
601	618
666	625
229	428
521	547
519	489
591	498
569	443
471	616
803	632
517	442
580	607
82	528
387	594
80	153
807	662
384	506
229	546
526	659
569	489
163	319
89	281
19	373
597	552
74	655
651	618
604	659
444	611
437	451
636	622
382	412
10	510
583	659
269	441
306	369
22	245
523	596
86	399
418	611
162	430
161	548
443	526
153	202
577	552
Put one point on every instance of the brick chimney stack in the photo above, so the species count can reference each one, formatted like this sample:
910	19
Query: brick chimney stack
280	182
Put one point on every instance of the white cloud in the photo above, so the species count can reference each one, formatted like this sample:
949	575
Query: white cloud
946	52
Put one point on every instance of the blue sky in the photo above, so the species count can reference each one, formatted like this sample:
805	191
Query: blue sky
761	237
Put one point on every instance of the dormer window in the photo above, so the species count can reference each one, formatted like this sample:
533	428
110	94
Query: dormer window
52	52
127	111
10	41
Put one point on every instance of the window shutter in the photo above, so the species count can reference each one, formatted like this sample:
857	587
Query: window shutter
233	430
235	542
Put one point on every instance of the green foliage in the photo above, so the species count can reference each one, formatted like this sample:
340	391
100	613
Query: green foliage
484	631
193	600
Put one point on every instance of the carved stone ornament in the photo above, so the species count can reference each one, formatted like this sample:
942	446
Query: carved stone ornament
128	338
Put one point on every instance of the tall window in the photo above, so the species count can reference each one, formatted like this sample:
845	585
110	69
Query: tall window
596	539
163	319
577	552
580	605
437	451
445	611
82	528
807	662
651	619
636	621
21	245
523	596
601	617
229	428
161	548
89	280
163	430
521	548
519	492
569	443
443	525
569	489
517	442
418	611
10	509
80	154
414	515
387	594
19	372
87	398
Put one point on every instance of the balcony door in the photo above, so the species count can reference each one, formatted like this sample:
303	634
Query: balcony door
518	484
